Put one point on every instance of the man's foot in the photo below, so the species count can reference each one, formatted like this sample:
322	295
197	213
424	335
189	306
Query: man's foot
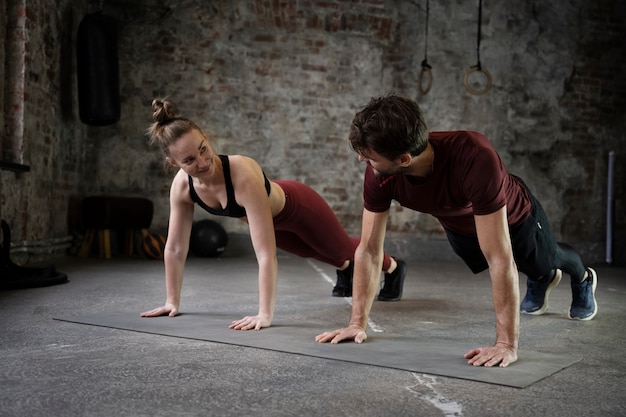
394	282
584	306
536	300
343	288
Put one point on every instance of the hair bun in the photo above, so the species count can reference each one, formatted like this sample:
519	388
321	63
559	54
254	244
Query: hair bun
163	110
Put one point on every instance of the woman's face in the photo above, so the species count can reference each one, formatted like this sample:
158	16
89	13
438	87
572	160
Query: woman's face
192	153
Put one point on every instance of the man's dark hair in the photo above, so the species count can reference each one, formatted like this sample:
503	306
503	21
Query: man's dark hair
390	126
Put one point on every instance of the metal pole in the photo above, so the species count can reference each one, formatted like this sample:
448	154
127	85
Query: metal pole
609	210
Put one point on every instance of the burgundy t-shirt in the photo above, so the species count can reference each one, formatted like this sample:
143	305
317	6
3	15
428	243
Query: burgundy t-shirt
468	179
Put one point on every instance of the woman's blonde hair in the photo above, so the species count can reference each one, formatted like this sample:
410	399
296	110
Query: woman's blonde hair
168	126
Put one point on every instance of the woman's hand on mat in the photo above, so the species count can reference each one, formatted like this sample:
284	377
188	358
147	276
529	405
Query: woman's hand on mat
501	354
168	309
347	333
251	322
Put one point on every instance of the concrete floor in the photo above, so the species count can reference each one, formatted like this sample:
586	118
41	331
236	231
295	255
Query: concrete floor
55	368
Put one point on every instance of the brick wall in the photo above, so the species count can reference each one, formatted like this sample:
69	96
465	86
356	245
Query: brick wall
4	24
40	128
594	103
281	80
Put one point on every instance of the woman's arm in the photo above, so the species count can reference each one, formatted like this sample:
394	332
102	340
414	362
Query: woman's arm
250	193
176	247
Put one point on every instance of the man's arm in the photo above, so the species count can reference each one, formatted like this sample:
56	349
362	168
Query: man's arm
495	243
368	260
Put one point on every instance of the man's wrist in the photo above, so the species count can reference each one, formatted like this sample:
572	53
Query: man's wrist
511	345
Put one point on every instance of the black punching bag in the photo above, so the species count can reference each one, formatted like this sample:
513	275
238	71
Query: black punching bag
98	70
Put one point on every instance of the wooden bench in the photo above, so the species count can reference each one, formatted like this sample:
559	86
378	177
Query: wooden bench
101	214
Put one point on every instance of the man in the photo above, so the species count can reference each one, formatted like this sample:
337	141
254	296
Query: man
491	219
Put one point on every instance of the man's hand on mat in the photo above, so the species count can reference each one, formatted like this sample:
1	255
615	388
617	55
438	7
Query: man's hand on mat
492	356
251	322
168	309
347	333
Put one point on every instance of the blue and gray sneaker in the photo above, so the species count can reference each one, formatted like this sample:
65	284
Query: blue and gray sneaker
584	305
536	300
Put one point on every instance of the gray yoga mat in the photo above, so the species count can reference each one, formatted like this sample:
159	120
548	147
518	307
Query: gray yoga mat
431	356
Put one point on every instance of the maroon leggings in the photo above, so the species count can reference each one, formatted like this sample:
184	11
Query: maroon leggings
308	227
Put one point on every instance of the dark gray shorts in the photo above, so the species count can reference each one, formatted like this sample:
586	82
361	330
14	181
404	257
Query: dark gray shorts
534	247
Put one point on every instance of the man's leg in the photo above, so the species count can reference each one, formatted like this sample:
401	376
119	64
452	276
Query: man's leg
468	249
543	261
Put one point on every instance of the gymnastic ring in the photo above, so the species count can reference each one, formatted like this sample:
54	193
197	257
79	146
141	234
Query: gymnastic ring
471	90
429	78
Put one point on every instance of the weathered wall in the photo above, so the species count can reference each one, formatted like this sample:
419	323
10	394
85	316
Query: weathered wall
281	80
40	129
3	33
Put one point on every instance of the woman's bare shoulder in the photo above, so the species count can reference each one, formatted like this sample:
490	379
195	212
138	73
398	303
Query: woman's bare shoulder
244	165
179	189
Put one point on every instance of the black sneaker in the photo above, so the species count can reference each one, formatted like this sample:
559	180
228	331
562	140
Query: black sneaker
394	282
584	305
343	288
537	291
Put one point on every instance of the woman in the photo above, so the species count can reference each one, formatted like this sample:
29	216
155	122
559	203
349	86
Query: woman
283	214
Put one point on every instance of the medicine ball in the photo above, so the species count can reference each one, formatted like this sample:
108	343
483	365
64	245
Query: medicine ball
208	239
153	245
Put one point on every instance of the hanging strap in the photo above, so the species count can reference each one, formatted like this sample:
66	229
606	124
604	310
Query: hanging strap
480	19
478	67
426	72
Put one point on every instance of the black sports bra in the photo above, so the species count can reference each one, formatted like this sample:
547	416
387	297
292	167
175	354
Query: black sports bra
232	209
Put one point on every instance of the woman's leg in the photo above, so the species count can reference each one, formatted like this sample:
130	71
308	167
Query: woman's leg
308	227
319	234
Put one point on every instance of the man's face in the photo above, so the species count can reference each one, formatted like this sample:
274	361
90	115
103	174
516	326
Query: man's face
382	166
